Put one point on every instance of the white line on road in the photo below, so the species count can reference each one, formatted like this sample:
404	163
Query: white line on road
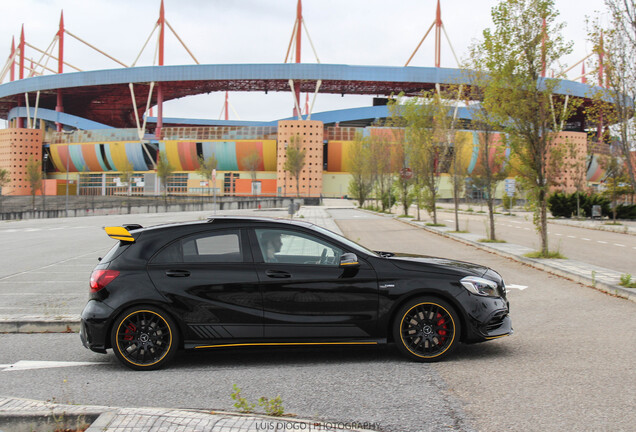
448	220
571	236
30	364
559	234
619	245
586	239
527	229
514	286
601	241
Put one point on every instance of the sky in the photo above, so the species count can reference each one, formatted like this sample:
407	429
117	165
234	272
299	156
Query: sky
354	32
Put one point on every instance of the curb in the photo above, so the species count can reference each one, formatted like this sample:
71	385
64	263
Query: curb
39	324
18	414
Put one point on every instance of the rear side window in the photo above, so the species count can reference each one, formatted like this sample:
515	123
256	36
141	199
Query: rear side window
217	247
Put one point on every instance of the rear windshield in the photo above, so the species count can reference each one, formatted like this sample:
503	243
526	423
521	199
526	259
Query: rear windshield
114	252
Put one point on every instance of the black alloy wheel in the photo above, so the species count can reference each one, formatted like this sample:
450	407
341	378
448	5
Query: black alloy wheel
144	338
426	329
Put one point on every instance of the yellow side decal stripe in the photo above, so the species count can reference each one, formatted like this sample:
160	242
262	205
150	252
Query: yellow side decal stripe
286	343
119	233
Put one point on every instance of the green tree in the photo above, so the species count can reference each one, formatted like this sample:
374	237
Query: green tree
489	172
34	177
5	179
252	162
380	146
126	176
164	171
526	40
206	169
361	183
295	160
427	121
615	181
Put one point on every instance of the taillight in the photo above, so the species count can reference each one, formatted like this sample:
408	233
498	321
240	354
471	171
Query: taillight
101	278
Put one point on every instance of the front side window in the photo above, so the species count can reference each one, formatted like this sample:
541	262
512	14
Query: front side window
291	247
215	247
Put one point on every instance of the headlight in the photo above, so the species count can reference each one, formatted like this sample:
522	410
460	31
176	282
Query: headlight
480	286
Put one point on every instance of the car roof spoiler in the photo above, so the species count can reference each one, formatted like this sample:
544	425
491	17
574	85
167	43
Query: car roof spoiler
119	233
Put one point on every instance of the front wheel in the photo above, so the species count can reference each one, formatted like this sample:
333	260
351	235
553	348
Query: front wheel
426	329
144	338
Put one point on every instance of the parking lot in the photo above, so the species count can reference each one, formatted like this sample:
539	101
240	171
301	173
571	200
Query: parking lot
569	365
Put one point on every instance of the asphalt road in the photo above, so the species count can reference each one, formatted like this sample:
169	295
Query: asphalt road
569	365
612	250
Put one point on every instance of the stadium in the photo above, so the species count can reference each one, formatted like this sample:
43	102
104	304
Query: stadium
88	128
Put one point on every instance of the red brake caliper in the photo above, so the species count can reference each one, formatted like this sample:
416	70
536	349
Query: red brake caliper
130	329
441	322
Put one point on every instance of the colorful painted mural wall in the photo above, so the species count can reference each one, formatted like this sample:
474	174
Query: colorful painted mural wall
182	155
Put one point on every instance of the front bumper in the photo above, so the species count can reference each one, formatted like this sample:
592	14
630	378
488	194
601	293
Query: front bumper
487	318
94	324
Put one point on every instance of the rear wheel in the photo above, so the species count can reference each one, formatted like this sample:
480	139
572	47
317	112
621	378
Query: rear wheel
144	338
426	329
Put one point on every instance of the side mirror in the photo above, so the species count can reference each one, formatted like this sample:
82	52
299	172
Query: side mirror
349	260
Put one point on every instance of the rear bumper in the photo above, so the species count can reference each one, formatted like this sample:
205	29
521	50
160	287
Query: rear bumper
94	325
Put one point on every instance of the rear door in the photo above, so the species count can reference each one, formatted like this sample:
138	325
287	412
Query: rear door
210	277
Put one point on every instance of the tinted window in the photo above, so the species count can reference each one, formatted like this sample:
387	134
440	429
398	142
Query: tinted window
291	247
222	246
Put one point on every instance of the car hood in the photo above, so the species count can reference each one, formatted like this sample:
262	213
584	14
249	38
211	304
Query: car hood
437	265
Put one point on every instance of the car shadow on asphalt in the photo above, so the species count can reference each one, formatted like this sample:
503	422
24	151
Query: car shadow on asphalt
284	356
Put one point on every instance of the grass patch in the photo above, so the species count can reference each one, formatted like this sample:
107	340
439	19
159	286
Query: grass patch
480	211
459	232
405	216
469	210
612	223
627	282
491	241
550	255
435	224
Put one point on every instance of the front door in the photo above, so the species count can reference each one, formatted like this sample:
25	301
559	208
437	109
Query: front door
306	293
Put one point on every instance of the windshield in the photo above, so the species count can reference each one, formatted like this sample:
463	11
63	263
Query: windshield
353	245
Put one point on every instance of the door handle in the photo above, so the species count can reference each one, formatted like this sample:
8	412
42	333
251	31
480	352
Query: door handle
177	273
278	274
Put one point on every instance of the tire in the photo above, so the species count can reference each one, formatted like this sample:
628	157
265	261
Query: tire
426	329
144	338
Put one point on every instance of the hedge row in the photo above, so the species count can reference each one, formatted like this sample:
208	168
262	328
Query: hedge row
564	205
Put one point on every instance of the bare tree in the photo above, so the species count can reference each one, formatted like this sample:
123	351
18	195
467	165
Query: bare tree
164	171
206	169
252	162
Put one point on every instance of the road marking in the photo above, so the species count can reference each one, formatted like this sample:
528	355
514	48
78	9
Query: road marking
514	286
448	220
601	241
586	239
571	236
31	364
559	234
619	245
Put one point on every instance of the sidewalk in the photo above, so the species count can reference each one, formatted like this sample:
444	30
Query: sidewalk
31	415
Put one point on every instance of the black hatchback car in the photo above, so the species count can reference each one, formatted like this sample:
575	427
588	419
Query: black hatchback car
232	281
